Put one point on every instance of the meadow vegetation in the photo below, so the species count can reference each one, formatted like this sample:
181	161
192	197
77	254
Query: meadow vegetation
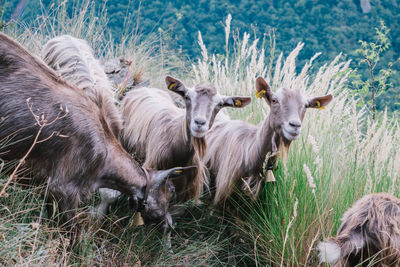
341	155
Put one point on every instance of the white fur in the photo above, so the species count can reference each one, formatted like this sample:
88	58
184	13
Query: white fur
329	252
108	196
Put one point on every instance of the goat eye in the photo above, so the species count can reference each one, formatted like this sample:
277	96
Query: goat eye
274	101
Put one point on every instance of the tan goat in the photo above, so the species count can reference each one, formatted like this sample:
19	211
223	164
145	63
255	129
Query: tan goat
237	149
369	234
163	135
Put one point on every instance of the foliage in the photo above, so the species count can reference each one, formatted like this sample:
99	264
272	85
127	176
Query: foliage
342	155
329	27
2	23
378	81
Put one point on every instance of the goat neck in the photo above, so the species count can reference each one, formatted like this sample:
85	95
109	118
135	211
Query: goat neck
127	176
268	141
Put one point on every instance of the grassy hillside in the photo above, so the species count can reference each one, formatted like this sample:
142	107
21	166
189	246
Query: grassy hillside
341	155
329	27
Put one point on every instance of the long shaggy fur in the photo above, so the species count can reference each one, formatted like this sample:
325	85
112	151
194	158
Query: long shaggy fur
236	153
370	233
237	150
157	131
77	149
73	59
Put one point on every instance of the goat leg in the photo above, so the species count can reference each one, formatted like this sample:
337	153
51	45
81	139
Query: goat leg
107	197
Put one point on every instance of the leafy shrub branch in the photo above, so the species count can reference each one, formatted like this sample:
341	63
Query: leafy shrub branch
378	80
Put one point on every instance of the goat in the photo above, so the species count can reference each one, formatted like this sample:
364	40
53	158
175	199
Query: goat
369	234
164	135
73	59
237	150
75	152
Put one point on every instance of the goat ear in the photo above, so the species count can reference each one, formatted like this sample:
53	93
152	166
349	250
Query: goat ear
160	176
263	90
319	102
175	85
236	101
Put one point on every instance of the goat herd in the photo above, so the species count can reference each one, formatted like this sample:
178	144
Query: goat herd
59	113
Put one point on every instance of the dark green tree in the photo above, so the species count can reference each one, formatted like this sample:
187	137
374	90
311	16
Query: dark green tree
330	27
2	23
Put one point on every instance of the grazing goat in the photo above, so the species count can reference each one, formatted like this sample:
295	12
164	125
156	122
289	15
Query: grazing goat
66	139
163	135
73	59
237	150
369	234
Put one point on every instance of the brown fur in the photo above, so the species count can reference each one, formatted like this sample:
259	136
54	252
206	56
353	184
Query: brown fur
370	233
75	61
84	156
200	146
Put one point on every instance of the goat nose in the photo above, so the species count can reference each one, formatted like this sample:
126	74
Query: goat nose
295	124
200	122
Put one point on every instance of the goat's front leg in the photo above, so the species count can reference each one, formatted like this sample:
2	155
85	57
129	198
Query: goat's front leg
67	206
167	229
107	197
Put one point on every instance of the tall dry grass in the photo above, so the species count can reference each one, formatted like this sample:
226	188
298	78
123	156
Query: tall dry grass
341	155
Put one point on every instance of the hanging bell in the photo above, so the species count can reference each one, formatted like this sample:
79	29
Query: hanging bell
137	219
270	176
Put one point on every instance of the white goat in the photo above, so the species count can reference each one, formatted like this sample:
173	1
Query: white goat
237	149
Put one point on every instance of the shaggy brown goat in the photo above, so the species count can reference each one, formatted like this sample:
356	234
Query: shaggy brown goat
76	152
369	234
237	149
74	60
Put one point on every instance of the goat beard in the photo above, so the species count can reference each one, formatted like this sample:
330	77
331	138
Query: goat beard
200	146
284	151
193	185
